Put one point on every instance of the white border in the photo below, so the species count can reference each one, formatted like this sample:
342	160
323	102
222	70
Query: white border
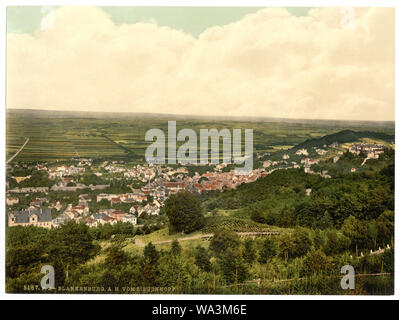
198	3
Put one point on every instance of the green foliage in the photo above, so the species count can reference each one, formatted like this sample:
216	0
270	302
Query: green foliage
176	248
202	259
151	254
107	230
355	230
336	242
233	266
116	257
223	240
257	216
267	250
148	273
316	262
184	212
296	244
249	251
215	223
28	248
348	212
303	241
37	179
343	137
91	178
385	227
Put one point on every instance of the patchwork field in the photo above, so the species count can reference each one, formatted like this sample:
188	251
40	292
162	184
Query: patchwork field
62	135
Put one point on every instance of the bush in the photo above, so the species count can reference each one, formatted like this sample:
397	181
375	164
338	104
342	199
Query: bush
258	217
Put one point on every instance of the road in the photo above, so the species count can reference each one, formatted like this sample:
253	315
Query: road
16	153
140	242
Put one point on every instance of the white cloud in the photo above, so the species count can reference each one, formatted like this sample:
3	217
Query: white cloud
270	63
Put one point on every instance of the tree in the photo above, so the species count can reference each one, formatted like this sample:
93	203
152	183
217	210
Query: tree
233	266
202	259
173	271
385	227
336	242
176	248
257	216
286	245
302	241
286	218
184	212
356	230
222	240
249	253
267	251
72	243
116	257
324	222
296	244
108	278
148	273
372	231
316	262
151	254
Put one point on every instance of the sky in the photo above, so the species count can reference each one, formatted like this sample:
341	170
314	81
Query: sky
311	63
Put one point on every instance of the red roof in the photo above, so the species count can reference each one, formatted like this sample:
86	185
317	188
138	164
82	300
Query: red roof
118	212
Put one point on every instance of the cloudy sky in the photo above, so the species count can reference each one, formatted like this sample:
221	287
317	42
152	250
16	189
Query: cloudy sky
327	63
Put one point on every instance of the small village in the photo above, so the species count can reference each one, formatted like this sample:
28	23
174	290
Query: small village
153	184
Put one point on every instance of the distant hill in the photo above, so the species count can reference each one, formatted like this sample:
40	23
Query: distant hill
344	137
54	114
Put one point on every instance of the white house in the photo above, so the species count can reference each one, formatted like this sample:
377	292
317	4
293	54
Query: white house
12	201
130	218
302	152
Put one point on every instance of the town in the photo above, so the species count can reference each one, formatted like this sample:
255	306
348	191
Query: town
142	189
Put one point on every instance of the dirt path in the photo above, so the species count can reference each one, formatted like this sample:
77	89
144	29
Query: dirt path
140	242
16	153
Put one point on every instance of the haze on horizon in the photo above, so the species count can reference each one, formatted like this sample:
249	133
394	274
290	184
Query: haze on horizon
270	63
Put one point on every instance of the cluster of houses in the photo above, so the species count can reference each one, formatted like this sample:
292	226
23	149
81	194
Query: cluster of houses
136	196
64	170
321	152
29	190
373	150
307	163
225	180
41	217
161	182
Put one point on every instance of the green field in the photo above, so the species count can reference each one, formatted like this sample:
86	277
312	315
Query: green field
63	135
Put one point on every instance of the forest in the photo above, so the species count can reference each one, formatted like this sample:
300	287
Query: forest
347	219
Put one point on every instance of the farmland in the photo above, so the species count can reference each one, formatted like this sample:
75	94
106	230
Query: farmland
64	135
307	224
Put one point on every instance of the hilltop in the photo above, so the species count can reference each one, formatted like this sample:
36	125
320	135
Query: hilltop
344	136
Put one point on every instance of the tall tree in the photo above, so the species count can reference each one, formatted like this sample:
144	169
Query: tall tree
202	258
222	240
151	254
356	230
184	212
249	251
176	248
267	250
